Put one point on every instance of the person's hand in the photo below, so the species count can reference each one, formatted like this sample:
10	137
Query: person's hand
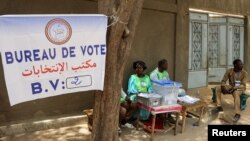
224	90
128	99
234	89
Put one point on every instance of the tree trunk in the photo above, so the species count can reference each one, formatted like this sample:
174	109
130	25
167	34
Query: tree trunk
123	17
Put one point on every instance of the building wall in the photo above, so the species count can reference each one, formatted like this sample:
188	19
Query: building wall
238	7
154	40
162	32
48	7
223	6
155	37
58	105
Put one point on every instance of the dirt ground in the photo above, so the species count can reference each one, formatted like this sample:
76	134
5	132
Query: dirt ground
79	131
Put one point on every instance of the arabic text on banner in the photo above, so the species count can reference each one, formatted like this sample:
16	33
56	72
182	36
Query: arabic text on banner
45	55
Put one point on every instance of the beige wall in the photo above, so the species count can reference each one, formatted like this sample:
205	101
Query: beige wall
155	37
162	33
154	40
224	6
48	6
239	7
58	105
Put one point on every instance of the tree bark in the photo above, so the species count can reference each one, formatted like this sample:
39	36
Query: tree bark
123	17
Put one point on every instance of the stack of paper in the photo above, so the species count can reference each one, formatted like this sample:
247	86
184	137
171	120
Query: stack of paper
188	99
149	95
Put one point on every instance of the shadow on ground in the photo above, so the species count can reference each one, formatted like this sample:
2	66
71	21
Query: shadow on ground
71	133
79	131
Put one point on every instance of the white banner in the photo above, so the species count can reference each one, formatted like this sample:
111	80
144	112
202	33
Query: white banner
46	55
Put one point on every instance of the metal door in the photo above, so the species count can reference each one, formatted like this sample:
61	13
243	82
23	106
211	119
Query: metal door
217	48
197	74
225	43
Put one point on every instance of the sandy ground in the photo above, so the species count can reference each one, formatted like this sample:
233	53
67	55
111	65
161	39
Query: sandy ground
79	132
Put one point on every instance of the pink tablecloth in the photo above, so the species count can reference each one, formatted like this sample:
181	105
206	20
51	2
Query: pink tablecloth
161	109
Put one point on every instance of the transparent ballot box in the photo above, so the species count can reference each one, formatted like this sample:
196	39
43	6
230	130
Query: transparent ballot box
149	99
168	90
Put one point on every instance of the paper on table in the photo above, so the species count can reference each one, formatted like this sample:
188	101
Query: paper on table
188	99
148	95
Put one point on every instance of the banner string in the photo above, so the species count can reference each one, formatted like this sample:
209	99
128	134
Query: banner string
115	20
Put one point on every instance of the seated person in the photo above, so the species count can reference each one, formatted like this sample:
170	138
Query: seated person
160	73
139	83
127	109
237	77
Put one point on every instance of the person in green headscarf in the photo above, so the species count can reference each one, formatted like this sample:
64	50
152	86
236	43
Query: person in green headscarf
139	83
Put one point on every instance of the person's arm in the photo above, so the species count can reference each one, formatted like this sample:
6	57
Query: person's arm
153	76
124	97
167	76
225	89
131	86
225	78
150	89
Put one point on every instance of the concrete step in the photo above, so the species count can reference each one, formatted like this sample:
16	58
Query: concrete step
36	125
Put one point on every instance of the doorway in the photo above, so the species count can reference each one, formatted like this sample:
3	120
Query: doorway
214	42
